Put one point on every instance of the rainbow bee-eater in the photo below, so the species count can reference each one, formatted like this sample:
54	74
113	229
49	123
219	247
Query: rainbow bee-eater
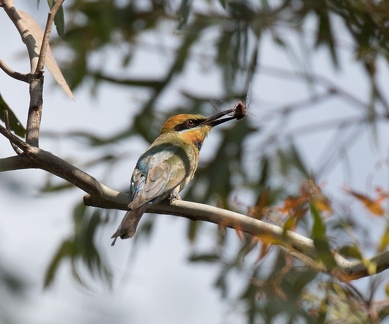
167	166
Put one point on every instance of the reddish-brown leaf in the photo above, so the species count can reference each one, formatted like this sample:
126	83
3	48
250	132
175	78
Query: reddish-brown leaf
373	205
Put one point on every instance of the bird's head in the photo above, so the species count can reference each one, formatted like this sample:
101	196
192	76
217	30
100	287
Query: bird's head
193	128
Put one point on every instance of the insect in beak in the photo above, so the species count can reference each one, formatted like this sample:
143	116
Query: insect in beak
215	119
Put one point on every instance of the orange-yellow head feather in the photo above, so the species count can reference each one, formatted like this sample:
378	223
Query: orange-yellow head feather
191	128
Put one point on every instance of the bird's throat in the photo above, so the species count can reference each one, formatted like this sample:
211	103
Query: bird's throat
196	136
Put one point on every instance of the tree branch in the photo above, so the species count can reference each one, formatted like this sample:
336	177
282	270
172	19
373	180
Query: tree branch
102	196
36	80
37	62
25	33
34	157
13	74
299	246
7	125
13	163
46	36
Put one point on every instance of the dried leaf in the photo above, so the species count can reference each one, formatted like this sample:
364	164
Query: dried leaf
263	251
313	192
374	206
291	204
51	63
258	210
239	232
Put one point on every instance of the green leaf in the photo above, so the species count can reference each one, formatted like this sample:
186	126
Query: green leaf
204	257
183	13
320	240
221	283
291	161
384	241
351	251
64	251
223	3
324	33
59	19
50	187
300	278
14	123
80	248
192	231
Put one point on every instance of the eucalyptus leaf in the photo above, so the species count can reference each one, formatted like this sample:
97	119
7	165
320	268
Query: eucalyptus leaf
14	124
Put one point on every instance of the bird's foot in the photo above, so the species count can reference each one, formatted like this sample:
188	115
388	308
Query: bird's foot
174	196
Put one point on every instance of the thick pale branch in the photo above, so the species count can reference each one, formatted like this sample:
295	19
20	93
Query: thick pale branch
101	196
24	32
299	246
34	157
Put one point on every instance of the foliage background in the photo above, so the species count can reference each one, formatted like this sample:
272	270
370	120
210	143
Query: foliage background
133	63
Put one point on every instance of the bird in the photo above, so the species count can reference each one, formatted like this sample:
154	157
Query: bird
167	166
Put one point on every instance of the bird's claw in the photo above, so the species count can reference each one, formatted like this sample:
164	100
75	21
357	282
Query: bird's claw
174	196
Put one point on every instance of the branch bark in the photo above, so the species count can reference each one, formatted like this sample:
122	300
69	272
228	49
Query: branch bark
299	246
24	32
13	74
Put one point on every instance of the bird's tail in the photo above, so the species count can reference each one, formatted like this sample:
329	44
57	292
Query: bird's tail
128	225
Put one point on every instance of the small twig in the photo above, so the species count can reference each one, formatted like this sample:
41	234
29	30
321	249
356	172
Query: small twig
13	74
8	127
14	139
46	36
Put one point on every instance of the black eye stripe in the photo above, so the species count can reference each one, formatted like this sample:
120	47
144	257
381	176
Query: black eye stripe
187	124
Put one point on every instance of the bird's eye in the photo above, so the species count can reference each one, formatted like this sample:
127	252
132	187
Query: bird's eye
190	123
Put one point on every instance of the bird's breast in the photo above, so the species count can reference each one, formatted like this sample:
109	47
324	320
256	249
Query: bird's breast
166	167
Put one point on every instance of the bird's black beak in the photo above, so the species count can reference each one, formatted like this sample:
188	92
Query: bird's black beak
215	119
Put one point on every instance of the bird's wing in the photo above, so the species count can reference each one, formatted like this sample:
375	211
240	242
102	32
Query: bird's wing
165	171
